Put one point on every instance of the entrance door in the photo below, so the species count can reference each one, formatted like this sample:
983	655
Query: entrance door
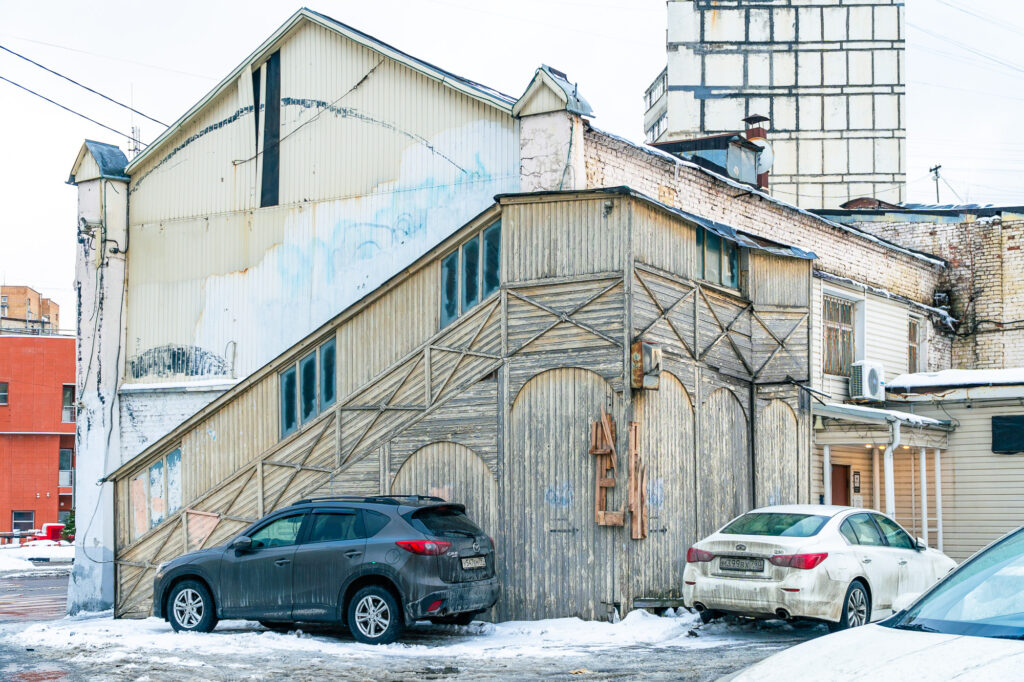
841	484
558	561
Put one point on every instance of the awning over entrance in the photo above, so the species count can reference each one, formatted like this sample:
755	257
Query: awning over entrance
888	431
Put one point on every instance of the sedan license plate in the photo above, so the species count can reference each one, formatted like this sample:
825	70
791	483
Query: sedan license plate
472	562
729	563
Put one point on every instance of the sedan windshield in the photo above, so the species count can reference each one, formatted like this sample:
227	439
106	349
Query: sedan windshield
984	597
789	525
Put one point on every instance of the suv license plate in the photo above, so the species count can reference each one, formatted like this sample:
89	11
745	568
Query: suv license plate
474	562
728	563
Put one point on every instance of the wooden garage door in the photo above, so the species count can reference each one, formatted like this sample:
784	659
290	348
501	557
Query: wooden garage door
723	462
558	561
666	447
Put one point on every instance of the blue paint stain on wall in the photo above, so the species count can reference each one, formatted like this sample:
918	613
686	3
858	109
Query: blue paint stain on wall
559	495
656	493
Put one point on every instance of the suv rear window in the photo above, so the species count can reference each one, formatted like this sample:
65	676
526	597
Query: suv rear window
443	521
788	525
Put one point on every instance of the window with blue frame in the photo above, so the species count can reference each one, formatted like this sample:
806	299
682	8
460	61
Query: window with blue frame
471	273
717	259
308	387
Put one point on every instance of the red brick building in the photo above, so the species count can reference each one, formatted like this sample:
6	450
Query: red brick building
37	430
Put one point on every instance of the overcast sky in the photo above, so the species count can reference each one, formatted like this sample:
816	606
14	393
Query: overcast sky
965	86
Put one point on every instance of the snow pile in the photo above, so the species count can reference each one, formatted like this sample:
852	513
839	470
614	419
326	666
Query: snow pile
13	563
40	550
95	636
959	377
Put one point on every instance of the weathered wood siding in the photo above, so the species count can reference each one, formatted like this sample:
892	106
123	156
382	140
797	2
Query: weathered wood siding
558	561
563	238
723	461
664	241
778	455
667	449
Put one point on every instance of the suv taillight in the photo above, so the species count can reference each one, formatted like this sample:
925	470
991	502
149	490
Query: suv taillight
427	547
801	561
694	555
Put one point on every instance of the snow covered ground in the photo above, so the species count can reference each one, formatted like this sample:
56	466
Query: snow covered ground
50	557
531	649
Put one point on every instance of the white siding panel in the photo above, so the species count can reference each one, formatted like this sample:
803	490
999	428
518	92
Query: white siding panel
371	178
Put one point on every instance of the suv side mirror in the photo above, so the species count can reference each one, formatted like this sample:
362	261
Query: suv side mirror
242	544
920	546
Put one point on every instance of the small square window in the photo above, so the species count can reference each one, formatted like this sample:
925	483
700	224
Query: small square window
23	521
3	393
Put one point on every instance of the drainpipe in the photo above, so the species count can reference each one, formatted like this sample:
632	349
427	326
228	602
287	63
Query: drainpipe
890	484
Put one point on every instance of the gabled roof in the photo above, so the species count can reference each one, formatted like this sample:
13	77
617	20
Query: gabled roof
466	86
549	81
98	160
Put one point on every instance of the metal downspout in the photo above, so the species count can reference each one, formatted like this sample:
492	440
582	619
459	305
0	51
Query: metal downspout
890	483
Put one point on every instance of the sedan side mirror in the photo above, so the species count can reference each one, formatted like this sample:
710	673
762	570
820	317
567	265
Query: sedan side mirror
920	546
242	544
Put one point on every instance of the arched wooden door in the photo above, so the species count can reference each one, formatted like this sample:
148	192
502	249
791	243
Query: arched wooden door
723	462
666	446
778	451
558	561
454	473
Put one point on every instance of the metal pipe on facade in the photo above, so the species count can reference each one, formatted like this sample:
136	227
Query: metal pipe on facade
827	474
924	495
890	483
938	498
876	479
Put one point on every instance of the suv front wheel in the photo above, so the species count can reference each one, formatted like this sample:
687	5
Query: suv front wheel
190	607
374	616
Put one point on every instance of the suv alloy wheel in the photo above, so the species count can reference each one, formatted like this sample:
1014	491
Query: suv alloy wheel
374	616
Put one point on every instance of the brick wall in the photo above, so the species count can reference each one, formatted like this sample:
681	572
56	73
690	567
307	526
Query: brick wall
985	279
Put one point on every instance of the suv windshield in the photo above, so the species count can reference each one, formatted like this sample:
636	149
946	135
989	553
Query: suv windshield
984	597
442	521
790	525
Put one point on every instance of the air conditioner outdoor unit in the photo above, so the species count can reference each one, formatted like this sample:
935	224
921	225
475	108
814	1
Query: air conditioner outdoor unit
867	381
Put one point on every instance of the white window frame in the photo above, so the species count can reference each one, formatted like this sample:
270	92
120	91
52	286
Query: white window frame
922	343
859	336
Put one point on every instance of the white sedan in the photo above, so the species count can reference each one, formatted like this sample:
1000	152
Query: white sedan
839	565
968	627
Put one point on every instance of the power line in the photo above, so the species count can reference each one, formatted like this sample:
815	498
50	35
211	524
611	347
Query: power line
995	21
969	48
91	120
85	87
114	59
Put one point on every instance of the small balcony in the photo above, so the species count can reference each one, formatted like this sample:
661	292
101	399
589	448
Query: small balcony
68	414
66	478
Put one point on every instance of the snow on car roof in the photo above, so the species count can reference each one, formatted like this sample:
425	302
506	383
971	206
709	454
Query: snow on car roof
815	509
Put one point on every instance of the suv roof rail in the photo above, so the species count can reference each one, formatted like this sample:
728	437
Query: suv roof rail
382	499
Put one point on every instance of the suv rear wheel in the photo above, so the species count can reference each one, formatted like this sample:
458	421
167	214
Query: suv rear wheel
190	607
374	616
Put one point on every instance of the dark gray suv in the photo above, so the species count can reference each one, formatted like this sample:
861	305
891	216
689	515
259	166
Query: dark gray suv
375	564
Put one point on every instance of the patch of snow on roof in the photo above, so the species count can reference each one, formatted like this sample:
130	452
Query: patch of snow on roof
880	413
959	377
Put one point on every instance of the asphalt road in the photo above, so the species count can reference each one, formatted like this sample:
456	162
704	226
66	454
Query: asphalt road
33	598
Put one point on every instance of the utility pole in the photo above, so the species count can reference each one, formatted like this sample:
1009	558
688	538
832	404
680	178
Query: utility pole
935	176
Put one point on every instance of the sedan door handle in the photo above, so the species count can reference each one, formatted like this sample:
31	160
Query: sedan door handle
866	560
353	553
282	562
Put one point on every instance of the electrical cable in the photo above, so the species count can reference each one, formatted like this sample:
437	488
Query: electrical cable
85	87
91	120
